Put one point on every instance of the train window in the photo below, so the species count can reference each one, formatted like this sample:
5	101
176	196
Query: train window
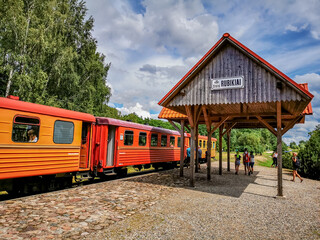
204	144
25	129
164	140
128	138
142	139
154	139
172	141
213	145
200	143
63	132
179	141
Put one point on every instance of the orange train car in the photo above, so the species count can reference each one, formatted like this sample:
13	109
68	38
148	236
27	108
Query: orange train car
40	143
203	143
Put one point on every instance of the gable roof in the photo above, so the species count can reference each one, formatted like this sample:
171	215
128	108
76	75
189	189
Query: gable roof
201	63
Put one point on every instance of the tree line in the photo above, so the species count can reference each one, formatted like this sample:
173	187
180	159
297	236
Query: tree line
48	55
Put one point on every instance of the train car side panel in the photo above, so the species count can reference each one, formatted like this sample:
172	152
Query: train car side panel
48	155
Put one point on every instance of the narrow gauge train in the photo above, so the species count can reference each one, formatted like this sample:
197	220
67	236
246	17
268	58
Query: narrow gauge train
43	148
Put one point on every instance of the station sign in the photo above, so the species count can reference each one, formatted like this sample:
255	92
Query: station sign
227	83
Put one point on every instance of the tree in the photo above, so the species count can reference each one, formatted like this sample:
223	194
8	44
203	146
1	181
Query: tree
48	55
310	155
293	145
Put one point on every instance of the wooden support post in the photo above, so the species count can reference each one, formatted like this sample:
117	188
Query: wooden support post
196	147
279	149
192	175
209	146
220	149
228	144
182	148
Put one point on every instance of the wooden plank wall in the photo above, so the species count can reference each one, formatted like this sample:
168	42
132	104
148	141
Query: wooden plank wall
260	84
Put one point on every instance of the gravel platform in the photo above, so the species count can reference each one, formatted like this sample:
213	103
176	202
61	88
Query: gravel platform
163	206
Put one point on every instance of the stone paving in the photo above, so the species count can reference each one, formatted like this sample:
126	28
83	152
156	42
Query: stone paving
77	212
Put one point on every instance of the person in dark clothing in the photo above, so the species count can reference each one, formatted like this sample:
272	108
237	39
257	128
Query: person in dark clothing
296	165
275	159
237	158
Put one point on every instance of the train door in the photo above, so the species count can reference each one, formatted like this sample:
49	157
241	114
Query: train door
111	145
85	145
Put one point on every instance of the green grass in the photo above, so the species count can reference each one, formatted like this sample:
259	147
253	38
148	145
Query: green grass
133	170
264	160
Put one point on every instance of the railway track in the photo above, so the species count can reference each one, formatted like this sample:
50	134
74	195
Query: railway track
5	196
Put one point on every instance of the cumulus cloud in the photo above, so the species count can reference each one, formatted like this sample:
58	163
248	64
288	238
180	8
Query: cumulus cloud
138	109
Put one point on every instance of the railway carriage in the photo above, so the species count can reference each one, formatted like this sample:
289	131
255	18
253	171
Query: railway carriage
203	143
119	144
60	145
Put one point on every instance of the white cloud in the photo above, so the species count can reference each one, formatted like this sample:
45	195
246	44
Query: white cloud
293	28
135	109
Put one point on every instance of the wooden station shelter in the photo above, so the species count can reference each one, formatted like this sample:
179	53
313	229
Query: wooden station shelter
233	87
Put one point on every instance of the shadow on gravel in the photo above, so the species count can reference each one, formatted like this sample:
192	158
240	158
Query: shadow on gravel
227	184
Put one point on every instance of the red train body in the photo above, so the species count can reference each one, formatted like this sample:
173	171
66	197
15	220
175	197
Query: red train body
118	144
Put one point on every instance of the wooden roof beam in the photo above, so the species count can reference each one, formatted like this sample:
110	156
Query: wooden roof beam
197	114
291	124
265	123
229	128
190	116
220	123
174	125
206	118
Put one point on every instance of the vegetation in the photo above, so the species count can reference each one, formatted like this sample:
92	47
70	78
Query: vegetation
309	155
48	55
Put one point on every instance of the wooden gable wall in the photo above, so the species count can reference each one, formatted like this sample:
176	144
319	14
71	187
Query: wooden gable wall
260	84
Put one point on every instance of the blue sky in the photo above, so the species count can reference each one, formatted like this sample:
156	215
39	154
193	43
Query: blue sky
152	44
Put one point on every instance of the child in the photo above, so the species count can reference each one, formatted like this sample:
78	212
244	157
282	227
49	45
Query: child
251	163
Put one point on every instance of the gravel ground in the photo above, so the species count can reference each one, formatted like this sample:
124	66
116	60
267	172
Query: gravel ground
228	207
162	206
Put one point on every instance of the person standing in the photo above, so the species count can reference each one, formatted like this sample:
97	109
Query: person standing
199	156
251	163
237	158
246	161
296	165
187	161
275	159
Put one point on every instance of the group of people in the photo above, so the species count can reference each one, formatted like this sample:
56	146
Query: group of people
247	160
199	152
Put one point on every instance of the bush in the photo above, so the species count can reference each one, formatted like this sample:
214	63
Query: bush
309	156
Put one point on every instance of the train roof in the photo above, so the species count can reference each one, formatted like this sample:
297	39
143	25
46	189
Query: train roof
205	138
16	104
121	123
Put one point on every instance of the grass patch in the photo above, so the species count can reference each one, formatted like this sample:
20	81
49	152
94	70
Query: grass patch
264	160
131	169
